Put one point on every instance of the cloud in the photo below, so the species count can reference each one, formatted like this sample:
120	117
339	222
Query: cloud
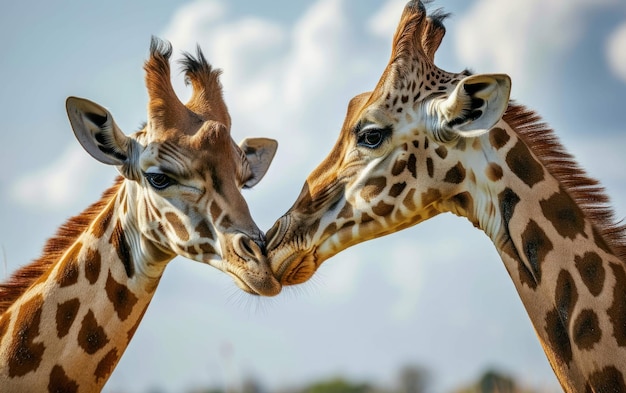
616	52
384	22
522	38
48	188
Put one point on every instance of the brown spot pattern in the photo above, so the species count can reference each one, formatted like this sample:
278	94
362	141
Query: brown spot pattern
215	210
586	330
66	314
524	165
93	264
68	272
203	230
564	214
429	196
607	380
100	226
464	200
412	165
498	137
430	168
382	209
373	187
91	336
494	171
456	174
591	271
398	167
346	211
558	338
24	354
397	189
119	242
60	383
536	246
565	295
409	200
121	297
178	226
617	311
442	152
106	365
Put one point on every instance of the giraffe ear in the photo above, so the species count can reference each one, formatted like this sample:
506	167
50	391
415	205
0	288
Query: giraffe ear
260	153
97	132
476	104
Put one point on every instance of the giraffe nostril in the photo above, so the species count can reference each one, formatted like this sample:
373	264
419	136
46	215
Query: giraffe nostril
245	244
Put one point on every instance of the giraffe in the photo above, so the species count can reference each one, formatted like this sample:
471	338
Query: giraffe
426	141
66	319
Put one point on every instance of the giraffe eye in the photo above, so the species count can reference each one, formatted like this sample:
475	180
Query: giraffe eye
372	137
158	181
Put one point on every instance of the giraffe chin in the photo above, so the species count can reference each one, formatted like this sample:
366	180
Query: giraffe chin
298	269
263	288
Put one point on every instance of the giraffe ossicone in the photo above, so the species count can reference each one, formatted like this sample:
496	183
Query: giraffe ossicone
66	318
426	141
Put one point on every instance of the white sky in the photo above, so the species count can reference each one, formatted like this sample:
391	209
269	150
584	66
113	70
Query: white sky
434	295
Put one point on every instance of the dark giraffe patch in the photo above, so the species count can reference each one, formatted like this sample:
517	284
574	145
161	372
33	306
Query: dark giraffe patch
207	248
564	214
464	201
617	311
524	165
442	152
412	165
430	168
409	200
177	225
558	338
65	316
397	189
565	295
429	196
119	242
456	174
121	297
398	167
586	330
536	246
24	354
204	230
226	222
215	210
68	272
93	264
373	187
607	380
498	137
507	201
494	171
91	336
106	365
591	271
366	218
60	383
346	212
100	226
382	209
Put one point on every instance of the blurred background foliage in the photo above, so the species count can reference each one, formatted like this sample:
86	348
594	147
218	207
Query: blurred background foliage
410	379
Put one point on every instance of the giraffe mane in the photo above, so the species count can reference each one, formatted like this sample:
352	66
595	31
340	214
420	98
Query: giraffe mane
53	250
588	194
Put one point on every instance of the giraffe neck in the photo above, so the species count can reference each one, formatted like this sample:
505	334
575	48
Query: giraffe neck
69	328
566	267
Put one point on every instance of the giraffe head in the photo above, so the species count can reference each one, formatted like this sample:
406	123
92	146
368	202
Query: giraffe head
185	172
386	172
